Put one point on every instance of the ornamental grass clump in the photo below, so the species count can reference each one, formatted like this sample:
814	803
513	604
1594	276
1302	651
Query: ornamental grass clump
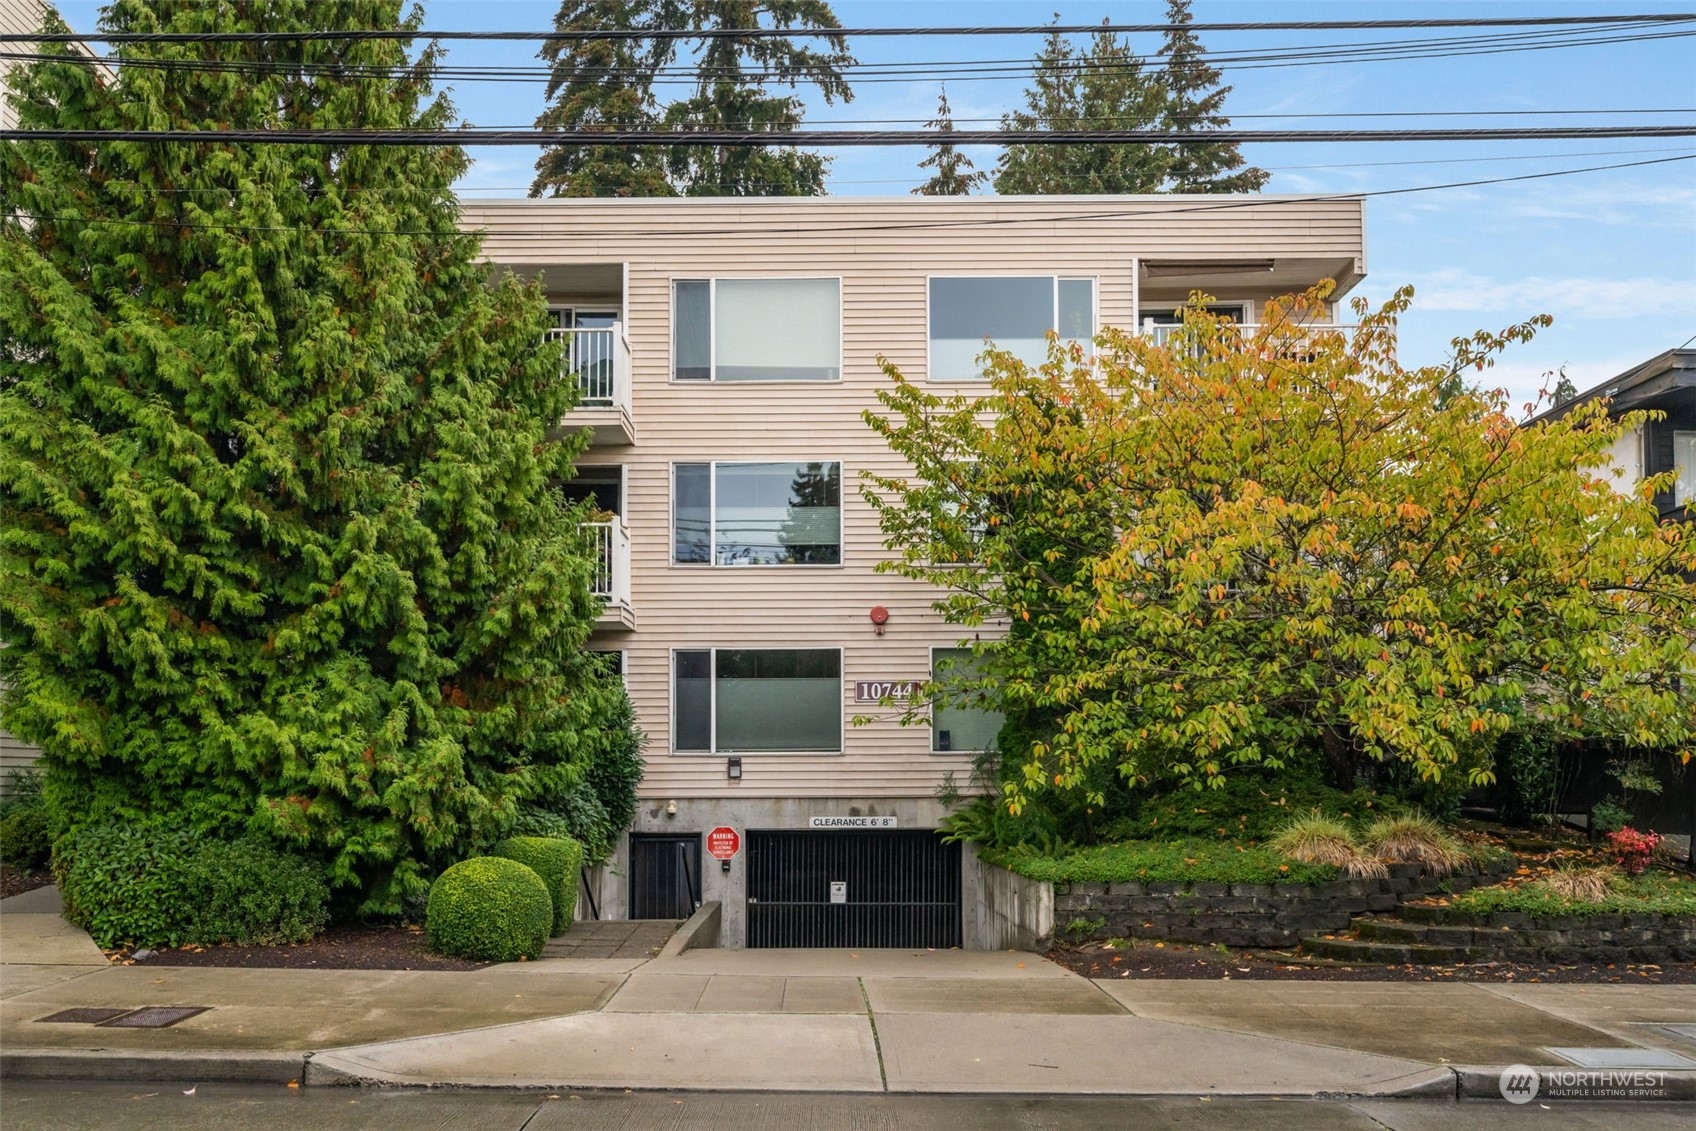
1314	838
1583	885
1417	839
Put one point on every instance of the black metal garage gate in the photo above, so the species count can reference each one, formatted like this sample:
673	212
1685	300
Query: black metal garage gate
851	888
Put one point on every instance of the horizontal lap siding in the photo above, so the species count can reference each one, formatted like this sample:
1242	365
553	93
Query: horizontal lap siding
883	311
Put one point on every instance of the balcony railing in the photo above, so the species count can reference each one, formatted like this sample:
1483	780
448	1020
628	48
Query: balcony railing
1162	332
599	360
611	543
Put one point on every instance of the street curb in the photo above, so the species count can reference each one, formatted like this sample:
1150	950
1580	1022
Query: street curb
190	1066
1483	1082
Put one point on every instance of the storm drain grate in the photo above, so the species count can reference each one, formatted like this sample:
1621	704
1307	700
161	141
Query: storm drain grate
154	1016
1622	1058
83	1016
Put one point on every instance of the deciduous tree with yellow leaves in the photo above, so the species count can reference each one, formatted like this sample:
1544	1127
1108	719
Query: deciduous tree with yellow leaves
1228	545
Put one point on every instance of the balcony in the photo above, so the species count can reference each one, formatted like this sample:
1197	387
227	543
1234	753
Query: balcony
599	361
611	581
1162	332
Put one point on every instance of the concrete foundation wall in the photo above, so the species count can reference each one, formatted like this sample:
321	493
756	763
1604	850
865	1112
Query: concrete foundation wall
1011	912
729	887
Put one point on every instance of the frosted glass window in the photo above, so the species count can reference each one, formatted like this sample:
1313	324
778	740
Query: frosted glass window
960	726
755	514
757	330
758	700
692	342
1684	462
1013	314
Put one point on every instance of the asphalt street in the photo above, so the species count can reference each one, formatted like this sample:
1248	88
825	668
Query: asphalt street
186	1106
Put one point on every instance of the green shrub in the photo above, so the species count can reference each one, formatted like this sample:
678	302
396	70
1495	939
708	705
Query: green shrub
146	883
250	893
24	840
25	837
489	908
556	860
1162	861
1654	893
1252	804
1609	817
128	882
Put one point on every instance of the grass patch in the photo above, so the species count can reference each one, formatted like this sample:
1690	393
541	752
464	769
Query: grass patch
1652	893
1163	861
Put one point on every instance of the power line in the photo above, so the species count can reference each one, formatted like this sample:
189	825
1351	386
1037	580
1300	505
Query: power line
831	139
574	34
787	231
887	72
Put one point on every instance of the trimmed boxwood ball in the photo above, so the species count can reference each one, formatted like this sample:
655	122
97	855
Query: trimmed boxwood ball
556	860
489	908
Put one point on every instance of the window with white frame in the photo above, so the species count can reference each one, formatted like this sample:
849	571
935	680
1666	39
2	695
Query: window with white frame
961	721
733	514
1013	313
757	700
756	330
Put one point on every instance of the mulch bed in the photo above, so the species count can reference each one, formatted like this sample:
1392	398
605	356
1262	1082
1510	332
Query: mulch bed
1152	960
352	946
16	881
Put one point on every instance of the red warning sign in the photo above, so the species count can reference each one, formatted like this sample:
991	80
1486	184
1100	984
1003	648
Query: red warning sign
724	842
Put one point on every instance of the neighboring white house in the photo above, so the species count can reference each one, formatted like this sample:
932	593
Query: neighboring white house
726	349
1667	383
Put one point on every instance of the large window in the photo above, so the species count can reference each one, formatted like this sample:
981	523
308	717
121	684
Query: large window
757	700
957	725
1013	313
757	330
733	514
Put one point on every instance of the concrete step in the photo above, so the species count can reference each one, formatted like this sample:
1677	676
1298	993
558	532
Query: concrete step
1372	952
1412	934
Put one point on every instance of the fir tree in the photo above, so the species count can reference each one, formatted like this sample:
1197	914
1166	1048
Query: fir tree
1105	87
730	94
1194	100
603	84
954	174
279	545
1564	390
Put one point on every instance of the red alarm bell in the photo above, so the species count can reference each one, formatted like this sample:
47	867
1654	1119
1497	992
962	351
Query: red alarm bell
880	617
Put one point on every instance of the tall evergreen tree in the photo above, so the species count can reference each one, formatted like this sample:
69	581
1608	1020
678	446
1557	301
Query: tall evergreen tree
1105	87
603	84
954	175
1194	101
730	94
279	546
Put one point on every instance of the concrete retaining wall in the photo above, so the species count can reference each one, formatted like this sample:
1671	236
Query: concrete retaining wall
1011	912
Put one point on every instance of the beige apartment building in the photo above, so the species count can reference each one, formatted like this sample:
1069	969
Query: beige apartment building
726	349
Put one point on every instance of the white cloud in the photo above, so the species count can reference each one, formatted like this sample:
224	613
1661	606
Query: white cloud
1574	297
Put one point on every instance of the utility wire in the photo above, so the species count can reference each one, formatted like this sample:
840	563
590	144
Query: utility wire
832	139
787	232
904	71
574	34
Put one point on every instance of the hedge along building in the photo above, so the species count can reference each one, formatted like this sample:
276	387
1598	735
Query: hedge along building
725	351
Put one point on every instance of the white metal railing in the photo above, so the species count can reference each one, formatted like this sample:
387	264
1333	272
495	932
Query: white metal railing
611	542
1162	332
599	360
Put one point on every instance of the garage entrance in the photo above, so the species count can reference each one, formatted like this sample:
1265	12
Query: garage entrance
897	888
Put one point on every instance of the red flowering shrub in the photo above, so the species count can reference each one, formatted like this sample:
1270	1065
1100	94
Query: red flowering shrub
1633	849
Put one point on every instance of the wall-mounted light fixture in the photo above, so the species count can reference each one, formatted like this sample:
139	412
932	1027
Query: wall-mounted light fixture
733	769
671	808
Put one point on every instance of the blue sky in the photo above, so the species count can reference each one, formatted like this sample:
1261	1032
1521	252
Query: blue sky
1612	255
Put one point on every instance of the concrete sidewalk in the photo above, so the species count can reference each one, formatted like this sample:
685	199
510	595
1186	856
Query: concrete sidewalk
868	1021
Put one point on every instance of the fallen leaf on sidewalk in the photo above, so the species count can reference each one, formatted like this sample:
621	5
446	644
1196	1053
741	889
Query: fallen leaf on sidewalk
192	1090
